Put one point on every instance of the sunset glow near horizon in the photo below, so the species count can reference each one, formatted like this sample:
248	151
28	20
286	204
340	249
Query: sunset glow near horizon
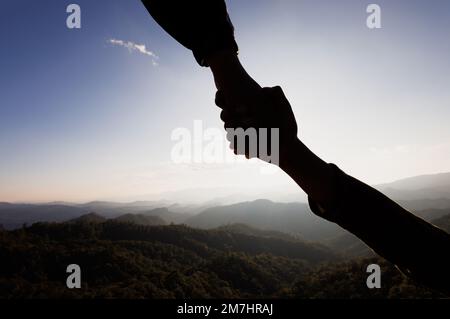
88	114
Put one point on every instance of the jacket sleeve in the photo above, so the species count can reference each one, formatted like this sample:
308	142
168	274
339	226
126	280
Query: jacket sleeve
416	247
202	26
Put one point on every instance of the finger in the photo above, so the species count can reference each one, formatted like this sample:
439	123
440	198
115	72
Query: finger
220	100
240	149
230	117
244	124
226	116
239	108
239	116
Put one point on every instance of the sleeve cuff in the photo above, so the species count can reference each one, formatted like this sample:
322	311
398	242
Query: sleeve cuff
217	39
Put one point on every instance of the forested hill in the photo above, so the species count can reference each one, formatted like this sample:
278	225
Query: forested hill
203	242
127	260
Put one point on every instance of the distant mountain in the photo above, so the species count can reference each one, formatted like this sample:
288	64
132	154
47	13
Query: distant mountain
171	213
293	218
252	231
443	222
112	209
344	244
15	215
279	220
432	214
202	242
350	245
428	196
140	220
441	180
435	186
89	218
167	215
424	204
102	204
187	209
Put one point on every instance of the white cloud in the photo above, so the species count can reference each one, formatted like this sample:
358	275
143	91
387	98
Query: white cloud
140	48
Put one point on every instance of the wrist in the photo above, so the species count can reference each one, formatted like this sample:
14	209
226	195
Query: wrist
290	154
219	61
309	171
230	76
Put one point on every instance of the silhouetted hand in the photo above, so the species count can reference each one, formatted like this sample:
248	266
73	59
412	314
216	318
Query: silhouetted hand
267	109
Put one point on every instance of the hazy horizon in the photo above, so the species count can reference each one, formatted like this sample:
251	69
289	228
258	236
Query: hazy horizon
224	195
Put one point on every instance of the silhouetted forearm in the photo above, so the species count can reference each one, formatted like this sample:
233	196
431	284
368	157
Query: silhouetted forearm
309	171
418	248
415	246
231	78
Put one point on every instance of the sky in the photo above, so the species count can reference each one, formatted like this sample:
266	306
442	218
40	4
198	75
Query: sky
89	114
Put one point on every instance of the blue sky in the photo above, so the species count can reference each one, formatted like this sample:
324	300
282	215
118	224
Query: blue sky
82	119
